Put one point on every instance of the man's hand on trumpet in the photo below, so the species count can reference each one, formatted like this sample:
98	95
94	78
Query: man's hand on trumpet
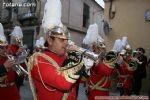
9	64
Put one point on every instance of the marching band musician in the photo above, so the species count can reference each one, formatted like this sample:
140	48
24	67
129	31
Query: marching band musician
95	43
8	88
17	47
126	69
90	42
54	71
99	82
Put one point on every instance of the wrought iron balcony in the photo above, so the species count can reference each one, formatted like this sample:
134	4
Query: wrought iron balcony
28	16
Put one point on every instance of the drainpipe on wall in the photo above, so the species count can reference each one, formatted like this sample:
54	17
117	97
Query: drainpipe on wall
111	10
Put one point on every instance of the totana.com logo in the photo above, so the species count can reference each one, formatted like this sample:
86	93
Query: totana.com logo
19	5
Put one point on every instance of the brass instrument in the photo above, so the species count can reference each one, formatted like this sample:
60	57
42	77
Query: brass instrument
136	54
23	47
21	57
87	53
19	69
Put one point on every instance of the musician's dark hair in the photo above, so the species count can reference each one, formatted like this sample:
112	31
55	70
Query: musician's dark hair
141	49
46	42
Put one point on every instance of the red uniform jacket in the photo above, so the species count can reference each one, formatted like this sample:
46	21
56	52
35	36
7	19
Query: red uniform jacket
99	72
10	92
125	76
52	79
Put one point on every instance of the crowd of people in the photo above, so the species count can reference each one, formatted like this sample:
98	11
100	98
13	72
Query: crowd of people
58	66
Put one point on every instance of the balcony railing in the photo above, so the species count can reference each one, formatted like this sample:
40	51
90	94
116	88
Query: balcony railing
28	16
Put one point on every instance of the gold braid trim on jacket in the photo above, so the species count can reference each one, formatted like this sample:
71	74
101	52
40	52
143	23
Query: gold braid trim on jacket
33	61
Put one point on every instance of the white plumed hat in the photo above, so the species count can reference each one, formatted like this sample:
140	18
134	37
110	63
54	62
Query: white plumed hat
117	46
40	42
124	41
17	32
52	15
3	40
92	36
51	22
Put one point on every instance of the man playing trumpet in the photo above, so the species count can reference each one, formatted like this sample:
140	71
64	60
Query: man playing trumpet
8	89
99	77
54	71
20	52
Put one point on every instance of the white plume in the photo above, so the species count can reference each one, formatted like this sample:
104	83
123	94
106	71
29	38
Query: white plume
92	35
40	42
52	15
1	29
2	36
124	41
17	32
117	46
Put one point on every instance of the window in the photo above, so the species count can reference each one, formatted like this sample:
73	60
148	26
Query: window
147	15
86	12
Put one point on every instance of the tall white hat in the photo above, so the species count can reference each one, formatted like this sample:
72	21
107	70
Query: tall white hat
92	36
124	41
40	42
51	22
3	40
117	46
17	32
52	15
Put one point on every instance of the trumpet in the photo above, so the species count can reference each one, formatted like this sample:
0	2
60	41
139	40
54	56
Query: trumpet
136	55
19	69
87	53
24	48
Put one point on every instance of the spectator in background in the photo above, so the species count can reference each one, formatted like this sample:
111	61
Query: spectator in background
140	72
148	63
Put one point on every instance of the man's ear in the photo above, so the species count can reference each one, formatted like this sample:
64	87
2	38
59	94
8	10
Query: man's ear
49	40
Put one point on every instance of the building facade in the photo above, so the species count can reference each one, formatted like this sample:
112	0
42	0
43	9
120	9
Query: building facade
77	15
129	18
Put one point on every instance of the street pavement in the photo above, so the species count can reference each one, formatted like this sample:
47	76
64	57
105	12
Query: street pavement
25	91
26	94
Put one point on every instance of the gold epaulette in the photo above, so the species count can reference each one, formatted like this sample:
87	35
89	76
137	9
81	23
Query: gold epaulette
69	73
